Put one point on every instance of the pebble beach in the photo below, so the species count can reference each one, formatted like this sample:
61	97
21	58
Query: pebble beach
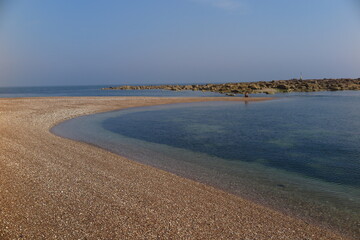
56	188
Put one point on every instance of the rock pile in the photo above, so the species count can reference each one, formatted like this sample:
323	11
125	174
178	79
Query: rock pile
293	85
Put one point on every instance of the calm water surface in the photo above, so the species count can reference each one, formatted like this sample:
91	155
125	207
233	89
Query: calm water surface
299	154
82	91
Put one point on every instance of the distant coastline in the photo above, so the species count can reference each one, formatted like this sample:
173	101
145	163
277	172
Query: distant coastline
267	87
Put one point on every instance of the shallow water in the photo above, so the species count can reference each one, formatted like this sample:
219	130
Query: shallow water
299	154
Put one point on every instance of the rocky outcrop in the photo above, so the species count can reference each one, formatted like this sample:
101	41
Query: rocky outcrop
270	87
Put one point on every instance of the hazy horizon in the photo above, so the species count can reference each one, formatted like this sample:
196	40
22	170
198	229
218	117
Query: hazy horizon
55	43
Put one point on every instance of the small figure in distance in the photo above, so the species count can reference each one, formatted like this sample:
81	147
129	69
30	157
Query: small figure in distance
246	94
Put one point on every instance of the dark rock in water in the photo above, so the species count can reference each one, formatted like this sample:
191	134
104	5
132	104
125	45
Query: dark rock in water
282	86
281	185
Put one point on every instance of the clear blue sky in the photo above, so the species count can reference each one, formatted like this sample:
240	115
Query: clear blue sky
87	42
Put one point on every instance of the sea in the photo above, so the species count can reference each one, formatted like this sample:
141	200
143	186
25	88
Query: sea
88	91
298	154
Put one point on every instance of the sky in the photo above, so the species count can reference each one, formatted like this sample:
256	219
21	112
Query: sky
115	42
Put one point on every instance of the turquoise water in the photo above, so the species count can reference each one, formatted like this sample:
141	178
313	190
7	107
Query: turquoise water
299	154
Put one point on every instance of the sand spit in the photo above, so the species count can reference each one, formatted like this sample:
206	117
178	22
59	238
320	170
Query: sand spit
55	188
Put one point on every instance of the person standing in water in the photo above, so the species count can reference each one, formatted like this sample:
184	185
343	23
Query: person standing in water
246	94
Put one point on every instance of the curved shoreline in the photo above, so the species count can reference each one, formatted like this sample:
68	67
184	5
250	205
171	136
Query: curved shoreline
77	190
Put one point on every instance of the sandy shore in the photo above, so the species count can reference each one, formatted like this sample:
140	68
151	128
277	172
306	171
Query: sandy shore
54	188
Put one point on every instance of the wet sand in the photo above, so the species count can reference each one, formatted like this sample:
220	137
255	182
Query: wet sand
55	188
